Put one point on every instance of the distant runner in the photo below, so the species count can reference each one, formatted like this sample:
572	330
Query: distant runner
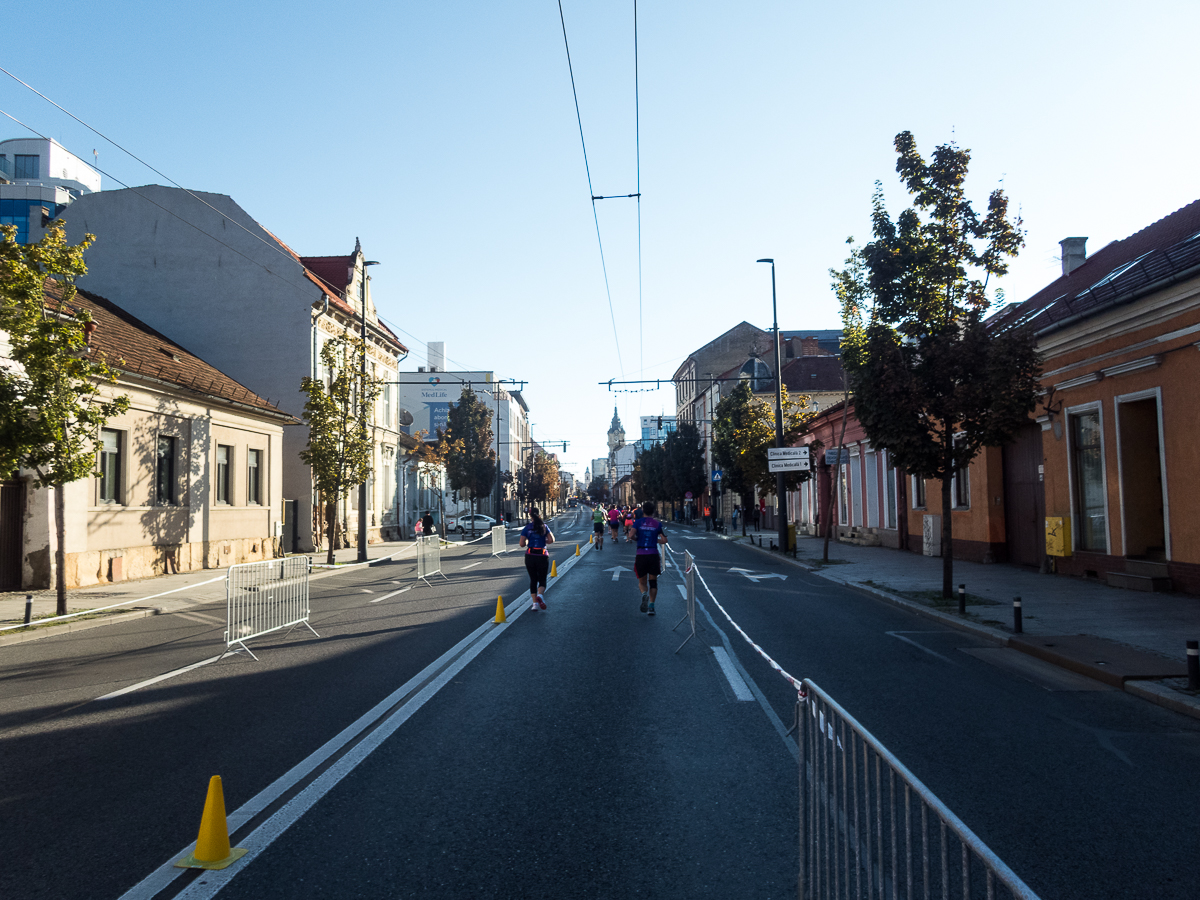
614	521
598	527
647	564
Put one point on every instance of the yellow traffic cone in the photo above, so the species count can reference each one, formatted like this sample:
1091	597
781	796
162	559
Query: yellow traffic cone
553	569
500	620
212	845
576	549
591	538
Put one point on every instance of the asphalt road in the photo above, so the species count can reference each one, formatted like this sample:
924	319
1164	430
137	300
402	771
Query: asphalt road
98	792
569	754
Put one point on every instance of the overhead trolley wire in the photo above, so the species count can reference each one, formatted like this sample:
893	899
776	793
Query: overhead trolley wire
274	247
591	190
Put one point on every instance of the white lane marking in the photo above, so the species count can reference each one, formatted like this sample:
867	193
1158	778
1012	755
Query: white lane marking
682	590
617	570
200	617
392	594
900	637
366	591
471	566
731	674
262	837
148	682
161	878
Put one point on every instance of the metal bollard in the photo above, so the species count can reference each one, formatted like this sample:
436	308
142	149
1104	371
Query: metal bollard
28	608
1016	615
962	599
1193	659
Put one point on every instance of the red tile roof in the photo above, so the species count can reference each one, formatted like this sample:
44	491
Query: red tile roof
129	345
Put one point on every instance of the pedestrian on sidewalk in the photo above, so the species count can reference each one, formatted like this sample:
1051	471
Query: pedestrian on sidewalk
427	523
536	538
647	564
757	513
707	517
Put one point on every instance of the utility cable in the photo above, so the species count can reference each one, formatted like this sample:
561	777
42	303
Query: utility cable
591	190
300	289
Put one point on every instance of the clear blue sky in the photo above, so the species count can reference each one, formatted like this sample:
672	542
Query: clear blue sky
444	136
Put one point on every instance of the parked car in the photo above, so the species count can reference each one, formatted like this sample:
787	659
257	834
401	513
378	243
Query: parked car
477	522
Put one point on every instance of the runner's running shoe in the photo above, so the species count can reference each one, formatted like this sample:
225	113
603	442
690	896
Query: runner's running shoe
650	610
645	601
541	604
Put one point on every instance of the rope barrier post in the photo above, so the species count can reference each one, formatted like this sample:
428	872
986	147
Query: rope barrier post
28	608
962	599
799	726
1193	663
1016	615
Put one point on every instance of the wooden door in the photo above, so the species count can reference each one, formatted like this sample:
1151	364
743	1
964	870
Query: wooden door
11	496
1025	497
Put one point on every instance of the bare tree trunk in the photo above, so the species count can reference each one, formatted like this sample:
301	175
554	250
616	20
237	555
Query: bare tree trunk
947	530
331	522
60	552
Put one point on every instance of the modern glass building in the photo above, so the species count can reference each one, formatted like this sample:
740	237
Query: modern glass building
38	179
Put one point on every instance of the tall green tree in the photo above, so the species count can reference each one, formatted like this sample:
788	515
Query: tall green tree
685	462
339	444
469	455
542	478
743	431
932	382
52	403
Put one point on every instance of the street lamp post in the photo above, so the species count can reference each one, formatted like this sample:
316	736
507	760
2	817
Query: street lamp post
362	409
780	495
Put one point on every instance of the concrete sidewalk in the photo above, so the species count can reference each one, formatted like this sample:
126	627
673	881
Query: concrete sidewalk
1132	640
104	604
147	596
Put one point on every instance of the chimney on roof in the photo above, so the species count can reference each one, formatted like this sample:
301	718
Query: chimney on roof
1074	253
809	347
436	357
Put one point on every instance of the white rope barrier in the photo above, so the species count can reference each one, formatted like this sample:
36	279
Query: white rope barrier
796	683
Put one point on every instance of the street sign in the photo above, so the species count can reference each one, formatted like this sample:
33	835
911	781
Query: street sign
787	453
787	465
687	496
716	474
831	457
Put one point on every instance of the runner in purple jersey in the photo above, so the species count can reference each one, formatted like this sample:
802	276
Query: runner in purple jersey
647	564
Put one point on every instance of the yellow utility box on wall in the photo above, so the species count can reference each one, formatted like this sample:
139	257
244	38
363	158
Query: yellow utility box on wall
1058	536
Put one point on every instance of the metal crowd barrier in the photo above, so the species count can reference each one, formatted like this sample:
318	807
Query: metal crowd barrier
429	557
689	580
262	597
858	837
498	540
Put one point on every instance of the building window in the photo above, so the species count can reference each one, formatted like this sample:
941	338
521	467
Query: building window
5	166
254	477
164	472
918	492
960	484
387	407
1088	464
25	166
889	481
844	497
223	458
110	466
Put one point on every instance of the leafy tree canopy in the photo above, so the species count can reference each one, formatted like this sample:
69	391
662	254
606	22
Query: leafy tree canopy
932	382
744	429
469	455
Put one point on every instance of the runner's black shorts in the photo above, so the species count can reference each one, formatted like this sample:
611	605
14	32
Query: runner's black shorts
647	564
598	527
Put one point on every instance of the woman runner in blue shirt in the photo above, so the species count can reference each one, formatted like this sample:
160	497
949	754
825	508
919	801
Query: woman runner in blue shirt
536	537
